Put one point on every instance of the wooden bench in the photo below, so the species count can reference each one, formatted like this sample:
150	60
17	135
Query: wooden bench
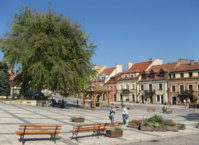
95	128
52	130
151	109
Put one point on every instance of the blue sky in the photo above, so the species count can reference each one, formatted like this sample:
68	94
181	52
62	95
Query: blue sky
127	30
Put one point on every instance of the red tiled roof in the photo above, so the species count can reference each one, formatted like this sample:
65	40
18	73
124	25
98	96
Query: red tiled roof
108	71
114	78
136	68
166	67
139	67
187	67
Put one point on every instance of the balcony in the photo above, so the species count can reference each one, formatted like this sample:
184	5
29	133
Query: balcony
149	93
125	91
186	93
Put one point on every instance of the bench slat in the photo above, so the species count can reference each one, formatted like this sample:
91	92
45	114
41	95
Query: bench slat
37	132
40	125
40	128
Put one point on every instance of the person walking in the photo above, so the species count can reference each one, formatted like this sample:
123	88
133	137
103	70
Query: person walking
112	111
124	114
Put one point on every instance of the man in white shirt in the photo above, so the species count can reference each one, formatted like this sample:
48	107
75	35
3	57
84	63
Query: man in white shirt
124	114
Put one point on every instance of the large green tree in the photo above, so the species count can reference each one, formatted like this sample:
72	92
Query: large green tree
4	80
51	51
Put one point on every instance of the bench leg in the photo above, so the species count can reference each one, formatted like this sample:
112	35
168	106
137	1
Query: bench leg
21	139
75	137
53	137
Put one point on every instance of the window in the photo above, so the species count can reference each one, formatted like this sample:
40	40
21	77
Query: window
133	86
190	74
181	89
127	86
190	87
182	75
127	97
143	76
150	87
173	76
152	75
198	87
161	73
160	86
111	87
114	87
107	87
198	73
121	87
158	98
142	87
173	89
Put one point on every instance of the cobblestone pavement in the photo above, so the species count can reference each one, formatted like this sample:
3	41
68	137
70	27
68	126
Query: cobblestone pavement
11	116
180	140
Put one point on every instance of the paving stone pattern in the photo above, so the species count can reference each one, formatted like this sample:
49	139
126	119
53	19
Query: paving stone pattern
11	116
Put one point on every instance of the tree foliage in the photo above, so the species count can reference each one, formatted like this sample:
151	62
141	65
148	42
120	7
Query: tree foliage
4	80
52	52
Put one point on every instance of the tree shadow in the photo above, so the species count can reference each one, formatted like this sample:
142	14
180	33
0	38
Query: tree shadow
191	116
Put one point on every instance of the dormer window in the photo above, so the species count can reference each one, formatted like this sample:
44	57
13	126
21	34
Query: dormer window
152	75
143	75
190	74
161	73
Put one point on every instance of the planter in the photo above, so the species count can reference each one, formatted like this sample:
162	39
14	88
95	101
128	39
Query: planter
78	120
146	128
160	128
172	128
180	127
114	134
133	126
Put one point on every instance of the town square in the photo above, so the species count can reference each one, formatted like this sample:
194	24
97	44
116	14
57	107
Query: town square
14	115
99	72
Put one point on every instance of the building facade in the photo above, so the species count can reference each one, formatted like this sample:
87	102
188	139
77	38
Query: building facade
107	73
153	86
184	83
127	83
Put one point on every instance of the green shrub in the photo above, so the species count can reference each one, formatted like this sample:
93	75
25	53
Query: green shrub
118	128
145	122
155	119
73	118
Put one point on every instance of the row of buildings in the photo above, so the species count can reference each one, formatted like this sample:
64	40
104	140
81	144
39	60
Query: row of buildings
152	82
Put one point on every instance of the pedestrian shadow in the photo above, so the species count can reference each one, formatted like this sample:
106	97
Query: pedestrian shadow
191	117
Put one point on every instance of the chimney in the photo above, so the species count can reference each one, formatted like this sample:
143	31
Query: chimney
150	59
191	62
181	61
130	64
118	68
